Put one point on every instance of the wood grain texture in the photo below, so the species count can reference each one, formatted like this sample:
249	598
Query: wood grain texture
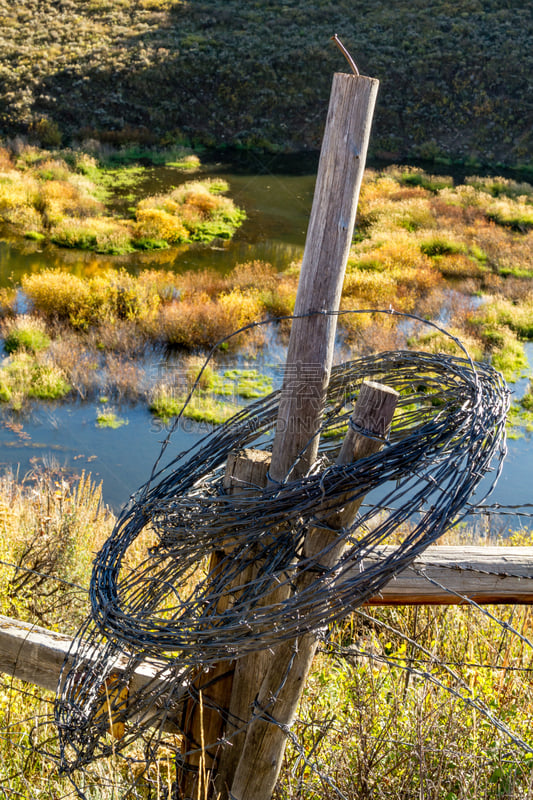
485	575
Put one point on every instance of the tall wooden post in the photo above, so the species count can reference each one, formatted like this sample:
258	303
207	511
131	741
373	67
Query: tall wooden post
311	345
327	246
246	474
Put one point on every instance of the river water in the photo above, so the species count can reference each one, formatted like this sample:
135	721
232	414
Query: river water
66	434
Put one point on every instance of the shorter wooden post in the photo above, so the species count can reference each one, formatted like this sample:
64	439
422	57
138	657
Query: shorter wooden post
246	473
280	692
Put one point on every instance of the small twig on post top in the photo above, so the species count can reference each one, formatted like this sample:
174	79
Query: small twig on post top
306	378
345	53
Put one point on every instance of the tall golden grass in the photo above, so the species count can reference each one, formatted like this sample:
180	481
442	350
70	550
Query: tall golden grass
394	706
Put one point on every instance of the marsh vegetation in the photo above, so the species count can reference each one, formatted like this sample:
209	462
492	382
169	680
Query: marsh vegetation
457	253
69	198
400	704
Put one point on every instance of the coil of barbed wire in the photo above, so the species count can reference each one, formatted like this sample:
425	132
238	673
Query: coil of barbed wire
447	433
444	443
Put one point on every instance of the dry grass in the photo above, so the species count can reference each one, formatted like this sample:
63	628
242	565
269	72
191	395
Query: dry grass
48	520
397	710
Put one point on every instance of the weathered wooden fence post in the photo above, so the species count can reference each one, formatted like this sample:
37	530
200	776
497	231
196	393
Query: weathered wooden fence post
311	345
327	246
246	473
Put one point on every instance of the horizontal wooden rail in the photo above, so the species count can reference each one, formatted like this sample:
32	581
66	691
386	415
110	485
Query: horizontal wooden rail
444	574
483	574
37	655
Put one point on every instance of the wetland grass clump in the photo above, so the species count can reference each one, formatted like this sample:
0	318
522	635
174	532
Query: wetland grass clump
24	377
197	211
516	315
25	333
527	400
71	199
217	395
167	402
108	418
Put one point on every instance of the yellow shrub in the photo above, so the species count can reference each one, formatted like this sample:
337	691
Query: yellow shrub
158	224
130	298
206	281
57	294
240	307
17	194
458	265
198	323
254	274
279	301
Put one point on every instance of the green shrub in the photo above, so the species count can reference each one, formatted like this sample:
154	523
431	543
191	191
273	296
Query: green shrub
26	333
439	246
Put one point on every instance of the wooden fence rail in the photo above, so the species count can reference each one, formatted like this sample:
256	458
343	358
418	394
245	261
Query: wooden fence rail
441	575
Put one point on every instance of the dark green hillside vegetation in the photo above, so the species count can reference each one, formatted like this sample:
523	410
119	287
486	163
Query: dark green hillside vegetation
454	76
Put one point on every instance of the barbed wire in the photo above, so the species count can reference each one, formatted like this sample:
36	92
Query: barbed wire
159	617
447	434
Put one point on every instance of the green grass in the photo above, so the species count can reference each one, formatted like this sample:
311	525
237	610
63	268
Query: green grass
413	176
249	383
440	246
109	419
208	403
519	421
511	360
166	404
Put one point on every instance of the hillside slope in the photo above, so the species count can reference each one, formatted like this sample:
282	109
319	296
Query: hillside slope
455	77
